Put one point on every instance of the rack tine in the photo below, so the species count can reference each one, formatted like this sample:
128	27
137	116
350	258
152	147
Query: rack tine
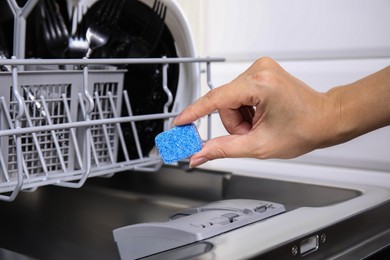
5	171
99	108
132	123
36	143
167	92
119	128
19	183
72	131
54	136
87	166
83	109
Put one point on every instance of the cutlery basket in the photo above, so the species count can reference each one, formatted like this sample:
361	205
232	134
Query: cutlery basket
54	98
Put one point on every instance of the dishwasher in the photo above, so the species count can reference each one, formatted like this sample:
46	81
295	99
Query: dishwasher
81	178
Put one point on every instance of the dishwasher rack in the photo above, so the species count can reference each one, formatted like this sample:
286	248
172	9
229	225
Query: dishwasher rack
61	126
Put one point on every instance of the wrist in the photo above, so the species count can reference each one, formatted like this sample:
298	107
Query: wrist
337	113
351	118
328	126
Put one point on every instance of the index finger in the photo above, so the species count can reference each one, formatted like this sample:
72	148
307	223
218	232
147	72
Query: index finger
229	96
201	107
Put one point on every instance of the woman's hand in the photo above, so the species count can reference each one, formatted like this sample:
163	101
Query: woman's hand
268	114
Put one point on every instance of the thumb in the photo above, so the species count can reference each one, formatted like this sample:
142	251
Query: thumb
230	146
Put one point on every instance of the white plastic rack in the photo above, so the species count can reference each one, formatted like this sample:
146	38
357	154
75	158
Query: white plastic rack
61	126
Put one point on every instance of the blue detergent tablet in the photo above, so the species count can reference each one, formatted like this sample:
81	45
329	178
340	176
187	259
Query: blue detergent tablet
178	143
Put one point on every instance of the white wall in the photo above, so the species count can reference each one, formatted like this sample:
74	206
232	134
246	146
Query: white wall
290	29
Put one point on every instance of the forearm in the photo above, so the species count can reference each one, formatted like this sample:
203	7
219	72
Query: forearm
362	106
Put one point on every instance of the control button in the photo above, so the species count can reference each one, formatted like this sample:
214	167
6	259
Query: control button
261	209
196	225
185	213
219	220
201	225
248	211
231	216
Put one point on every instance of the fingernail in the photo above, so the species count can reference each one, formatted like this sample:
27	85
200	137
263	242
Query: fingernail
197	161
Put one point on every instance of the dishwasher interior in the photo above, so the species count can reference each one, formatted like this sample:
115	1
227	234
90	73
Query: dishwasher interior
78	160
60	223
